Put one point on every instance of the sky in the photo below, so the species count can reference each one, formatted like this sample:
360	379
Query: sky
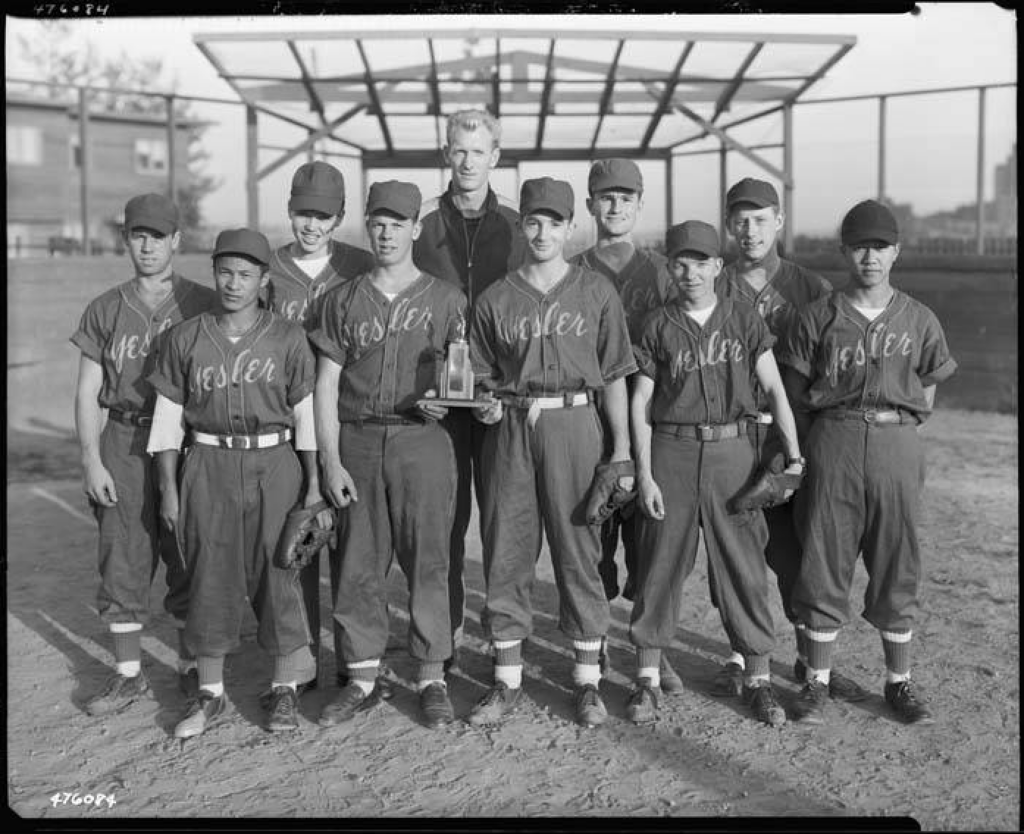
932	140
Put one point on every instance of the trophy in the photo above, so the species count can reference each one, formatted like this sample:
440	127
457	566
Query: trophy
455	380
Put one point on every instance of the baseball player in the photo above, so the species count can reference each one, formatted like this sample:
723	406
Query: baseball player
381	343
469	237
863	364
544	340
777	289
118	336
698	358
301	273
240	382
616	189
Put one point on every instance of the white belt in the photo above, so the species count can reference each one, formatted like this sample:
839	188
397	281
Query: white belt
535	405
243	441
763	417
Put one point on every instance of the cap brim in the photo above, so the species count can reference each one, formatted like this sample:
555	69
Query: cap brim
559	211
691	247
753	201
884	235
309	202
159	224
242	254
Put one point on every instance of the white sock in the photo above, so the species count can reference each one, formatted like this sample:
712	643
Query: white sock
421	685
129	668
737	658
820	675
365	686
215	689
292	685
756	680
652	672
896	677
511	676
584	673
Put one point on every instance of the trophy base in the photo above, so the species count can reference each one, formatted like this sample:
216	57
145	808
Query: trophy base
449	402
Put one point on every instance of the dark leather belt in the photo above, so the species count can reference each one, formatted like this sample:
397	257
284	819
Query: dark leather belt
705	432
131	418
393	420
873	416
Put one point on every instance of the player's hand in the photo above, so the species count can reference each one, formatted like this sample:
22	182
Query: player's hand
324	519
432	412
169	509
793	469
341	489
99	485
650	498
490	413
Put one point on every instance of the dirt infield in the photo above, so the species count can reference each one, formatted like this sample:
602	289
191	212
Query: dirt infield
703	758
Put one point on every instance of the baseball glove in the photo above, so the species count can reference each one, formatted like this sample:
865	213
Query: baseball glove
302	537
767	489
606	491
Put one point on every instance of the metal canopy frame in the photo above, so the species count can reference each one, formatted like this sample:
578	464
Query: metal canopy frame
544	84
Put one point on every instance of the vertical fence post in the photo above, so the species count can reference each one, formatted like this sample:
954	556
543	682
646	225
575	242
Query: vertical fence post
788	230
669	176
980	208
723	174
83	142
882	101
172	131
252	163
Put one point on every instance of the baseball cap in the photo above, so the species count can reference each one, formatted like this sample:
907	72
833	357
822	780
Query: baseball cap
402	198
154	211
693	235
317	186
869	220
243	242
748	190
614	173
546	194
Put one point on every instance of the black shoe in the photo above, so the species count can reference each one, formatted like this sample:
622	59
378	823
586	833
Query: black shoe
642	706
671	683
590	709
384	683
762	703
119	693
203	712
348	703
435	706
284	705
728	682
809	706
840	687
498	702
907	704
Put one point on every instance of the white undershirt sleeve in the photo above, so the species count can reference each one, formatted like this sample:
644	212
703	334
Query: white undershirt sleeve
305	428
168	429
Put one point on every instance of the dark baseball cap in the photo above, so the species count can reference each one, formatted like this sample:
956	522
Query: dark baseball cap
756	192
401	198
693	236
615	173
546	194
317	186
244	242
153	211
869	220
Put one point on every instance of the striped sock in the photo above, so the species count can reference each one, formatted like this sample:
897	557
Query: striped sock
588	662
211	672
819	651
429	672
288	667
363	674
508	663
896	645
756	666
127	648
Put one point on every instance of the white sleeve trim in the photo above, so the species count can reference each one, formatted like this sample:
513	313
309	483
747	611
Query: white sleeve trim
305	426
168	429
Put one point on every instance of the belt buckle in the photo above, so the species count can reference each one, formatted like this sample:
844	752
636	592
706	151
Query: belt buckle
705	432
144	422
244	441
871	415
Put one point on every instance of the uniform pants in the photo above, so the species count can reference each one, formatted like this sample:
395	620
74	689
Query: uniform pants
533	476
697	480
405	477
861	495
467	434
233	506
132	541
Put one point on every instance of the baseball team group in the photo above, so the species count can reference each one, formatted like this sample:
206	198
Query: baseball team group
308	374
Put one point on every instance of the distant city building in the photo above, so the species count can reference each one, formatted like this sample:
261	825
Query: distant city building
128	155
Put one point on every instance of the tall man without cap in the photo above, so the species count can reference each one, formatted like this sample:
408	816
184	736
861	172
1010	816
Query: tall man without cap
863	363
241	382
698	358
544	340
469	237
381	340
118	337
301	273
778	289
616	189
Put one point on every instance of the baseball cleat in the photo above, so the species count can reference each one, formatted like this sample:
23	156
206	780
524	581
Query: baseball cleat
809	706
348	702
119	694
840	687
590	709
283	712
436	706
728	682
499	701
762	703
642	706
384	683
907	704
203	712
671	683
